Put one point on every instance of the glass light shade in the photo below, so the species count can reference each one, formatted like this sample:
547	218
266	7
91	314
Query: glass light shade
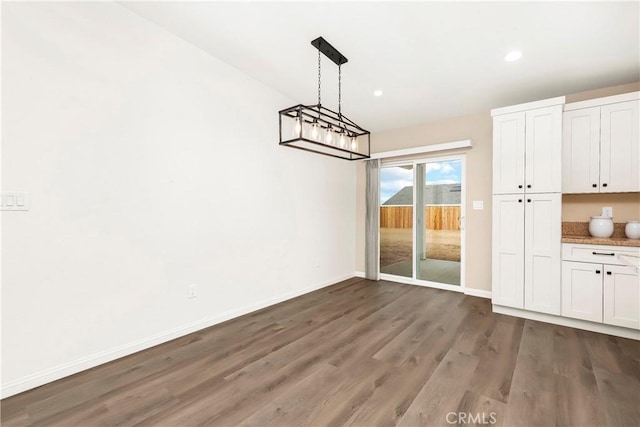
329	137
315	130
297	128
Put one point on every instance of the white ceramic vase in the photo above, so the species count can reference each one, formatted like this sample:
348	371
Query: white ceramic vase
632	229
601	226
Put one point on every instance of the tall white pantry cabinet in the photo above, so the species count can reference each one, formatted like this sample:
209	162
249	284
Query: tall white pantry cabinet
527	200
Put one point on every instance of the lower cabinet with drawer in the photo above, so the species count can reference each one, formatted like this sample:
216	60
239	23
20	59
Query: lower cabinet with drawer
598	287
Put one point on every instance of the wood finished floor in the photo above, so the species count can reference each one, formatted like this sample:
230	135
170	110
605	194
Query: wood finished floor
357	353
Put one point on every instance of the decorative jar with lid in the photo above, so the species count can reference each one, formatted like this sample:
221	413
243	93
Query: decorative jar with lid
601	226
632	229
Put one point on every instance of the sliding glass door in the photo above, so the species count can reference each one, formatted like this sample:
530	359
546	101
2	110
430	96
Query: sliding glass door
396	220
422	219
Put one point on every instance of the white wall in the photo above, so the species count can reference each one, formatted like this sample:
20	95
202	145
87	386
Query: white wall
150	165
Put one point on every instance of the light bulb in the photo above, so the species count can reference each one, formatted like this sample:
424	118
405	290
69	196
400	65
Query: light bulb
297	128
354	144
314	130
343	141
329	138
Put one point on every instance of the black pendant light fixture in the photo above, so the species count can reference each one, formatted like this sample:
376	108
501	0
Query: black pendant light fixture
321	130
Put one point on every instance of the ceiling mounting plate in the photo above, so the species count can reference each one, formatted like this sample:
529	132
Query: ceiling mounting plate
329	51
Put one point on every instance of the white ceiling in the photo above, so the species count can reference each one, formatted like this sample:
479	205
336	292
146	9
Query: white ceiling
432	59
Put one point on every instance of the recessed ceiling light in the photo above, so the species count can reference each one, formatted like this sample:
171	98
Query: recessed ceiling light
377	92
513	56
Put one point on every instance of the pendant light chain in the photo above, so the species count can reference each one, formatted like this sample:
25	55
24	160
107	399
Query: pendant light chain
319	78
340	90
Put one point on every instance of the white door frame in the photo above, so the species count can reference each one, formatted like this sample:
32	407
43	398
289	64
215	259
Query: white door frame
463	232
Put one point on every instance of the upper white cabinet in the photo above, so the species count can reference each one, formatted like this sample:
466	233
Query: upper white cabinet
581	151
543	150
601	145
527	148
508	153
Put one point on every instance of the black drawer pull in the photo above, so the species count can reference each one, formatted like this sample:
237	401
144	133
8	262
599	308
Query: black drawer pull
604	185
602	253
519	200
529	200
594	185
597	271
609	273
519	186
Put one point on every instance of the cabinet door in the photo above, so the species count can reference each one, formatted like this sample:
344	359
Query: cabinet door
543	150
621	296
508	153
508	251
581	151
619	147
542	252
582	290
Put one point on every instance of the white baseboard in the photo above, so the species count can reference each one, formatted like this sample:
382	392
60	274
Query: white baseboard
477	293
572	323
358	273
48	375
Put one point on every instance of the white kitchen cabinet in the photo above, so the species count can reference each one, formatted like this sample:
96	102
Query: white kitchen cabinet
527	150
508	250
601	145
543	150
582	290
621	296
581	151
619	147
598	287
527	252
527	184
508	153
542	252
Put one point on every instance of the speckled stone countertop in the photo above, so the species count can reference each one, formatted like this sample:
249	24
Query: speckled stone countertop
578	232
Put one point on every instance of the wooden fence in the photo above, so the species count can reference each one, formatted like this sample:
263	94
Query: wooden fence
436	217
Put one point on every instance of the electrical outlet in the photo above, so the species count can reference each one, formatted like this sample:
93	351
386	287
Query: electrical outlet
608	212
193	290
14	201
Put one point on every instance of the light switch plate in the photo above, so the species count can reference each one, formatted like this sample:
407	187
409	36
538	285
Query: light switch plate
14	201
478	205
608	212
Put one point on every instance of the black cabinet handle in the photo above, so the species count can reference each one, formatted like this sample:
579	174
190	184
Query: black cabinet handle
594	185
528	185
604	185
519	186
602	253
609	273
519	200
528	200
597	271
